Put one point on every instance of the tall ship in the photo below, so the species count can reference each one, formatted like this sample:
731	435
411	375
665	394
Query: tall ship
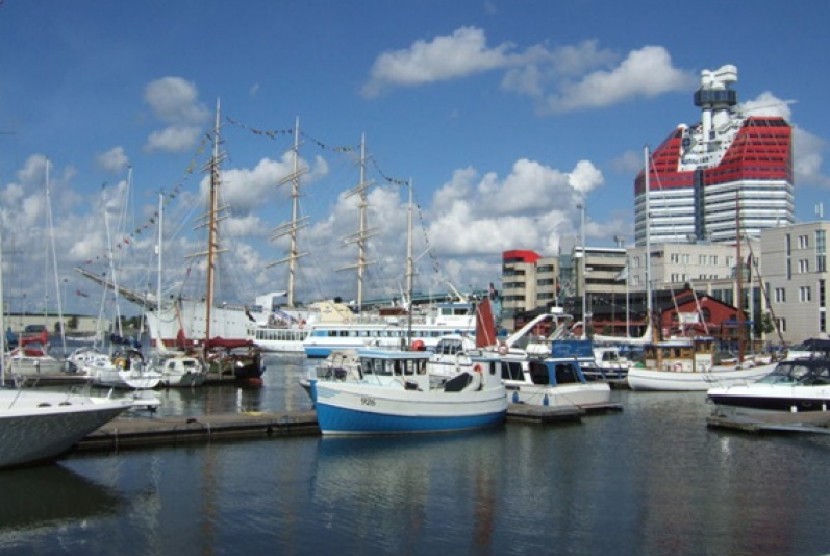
734	165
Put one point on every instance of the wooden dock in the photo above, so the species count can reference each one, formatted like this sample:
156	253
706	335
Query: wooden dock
133	432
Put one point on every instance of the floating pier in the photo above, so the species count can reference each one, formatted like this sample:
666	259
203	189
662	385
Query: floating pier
132	432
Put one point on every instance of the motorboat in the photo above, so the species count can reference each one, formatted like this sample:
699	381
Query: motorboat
797	386
37	425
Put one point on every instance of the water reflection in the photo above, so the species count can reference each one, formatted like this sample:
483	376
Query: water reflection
395	493
50	496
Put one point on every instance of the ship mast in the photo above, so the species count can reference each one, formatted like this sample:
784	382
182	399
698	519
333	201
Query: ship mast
363	234
296	223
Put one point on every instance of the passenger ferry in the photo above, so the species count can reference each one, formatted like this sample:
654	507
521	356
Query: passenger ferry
392	333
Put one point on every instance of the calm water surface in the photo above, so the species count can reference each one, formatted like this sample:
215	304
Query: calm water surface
651	479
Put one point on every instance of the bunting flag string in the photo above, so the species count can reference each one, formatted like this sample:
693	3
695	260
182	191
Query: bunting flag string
130	237
271	133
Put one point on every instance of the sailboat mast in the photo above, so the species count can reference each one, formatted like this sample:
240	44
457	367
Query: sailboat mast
213	208
647	167
739	280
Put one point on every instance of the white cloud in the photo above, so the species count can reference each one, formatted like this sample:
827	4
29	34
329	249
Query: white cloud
174	101
561	79
528	208
114	160
445	57
173	139
646	72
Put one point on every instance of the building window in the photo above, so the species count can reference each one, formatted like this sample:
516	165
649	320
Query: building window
803	266
782	325
701	259
802	242
686	258
821	294
713	259
804	294
822	321
675	257
780	295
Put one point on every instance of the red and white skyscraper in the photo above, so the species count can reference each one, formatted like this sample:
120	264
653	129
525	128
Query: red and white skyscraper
729	168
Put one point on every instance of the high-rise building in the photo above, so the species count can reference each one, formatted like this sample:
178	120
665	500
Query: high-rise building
730	171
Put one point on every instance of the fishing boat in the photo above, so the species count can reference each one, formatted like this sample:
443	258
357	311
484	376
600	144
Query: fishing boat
393	394
797	386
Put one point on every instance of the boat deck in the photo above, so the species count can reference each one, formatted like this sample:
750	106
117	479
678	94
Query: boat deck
132	432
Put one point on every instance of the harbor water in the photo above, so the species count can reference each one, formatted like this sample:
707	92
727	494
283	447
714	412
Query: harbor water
650	479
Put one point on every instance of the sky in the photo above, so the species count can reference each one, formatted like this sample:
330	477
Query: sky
502	116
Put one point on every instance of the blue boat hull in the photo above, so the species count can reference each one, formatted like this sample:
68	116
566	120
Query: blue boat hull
337	420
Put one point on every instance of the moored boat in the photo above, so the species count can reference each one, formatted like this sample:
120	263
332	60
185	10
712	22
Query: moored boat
38	426
688	364
793	387
393	394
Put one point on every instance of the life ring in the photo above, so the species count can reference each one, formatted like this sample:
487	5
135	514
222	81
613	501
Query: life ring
502	349
678	367
477	368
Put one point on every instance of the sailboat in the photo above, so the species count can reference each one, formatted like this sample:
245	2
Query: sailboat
688	363
227	358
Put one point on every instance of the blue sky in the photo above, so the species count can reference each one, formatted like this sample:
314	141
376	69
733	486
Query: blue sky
503	114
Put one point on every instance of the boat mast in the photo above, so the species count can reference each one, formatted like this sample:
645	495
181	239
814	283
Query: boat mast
647	167
409	265
54	258
296	223
739	279
2	317
363	232
213	232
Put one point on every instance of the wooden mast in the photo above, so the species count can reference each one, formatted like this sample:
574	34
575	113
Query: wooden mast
213	226
291	228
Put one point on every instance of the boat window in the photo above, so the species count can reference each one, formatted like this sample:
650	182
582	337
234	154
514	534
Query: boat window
565	373
511	370
539	373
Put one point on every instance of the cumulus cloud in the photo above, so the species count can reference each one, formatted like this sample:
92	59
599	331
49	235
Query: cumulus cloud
174	101
113	161
528	207
460	54
562	78
646	72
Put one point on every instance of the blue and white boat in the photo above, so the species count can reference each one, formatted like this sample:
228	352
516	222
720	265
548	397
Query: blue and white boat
390	392
551	379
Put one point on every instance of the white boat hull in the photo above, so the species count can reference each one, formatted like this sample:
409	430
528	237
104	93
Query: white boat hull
37	426
562	395
360	408
643	378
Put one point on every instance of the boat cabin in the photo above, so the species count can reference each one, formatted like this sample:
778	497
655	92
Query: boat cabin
802	372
